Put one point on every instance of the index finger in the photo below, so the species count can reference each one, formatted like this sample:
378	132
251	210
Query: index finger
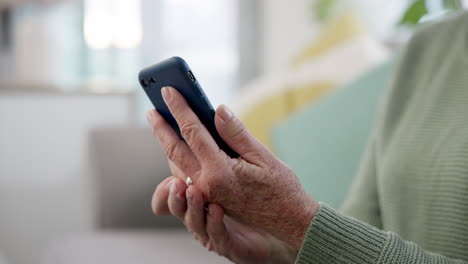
193	131
176	149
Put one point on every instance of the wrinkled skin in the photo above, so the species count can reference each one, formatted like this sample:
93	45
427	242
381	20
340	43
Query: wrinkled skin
257	209
216	231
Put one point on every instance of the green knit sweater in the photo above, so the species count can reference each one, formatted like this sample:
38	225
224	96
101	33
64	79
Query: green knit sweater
409	203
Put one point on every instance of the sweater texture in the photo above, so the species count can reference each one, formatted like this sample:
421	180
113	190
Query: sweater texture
409	202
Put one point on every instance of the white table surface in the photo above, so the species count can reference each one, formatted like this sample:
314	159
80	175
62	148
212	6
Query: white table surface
142	247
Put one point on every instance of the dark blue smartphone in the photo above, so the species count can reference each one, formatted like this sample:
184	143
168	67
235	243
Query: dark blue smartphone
176	73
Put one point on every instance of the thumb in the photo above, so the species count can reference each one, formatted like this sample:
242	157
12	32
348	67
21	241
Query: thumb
234	133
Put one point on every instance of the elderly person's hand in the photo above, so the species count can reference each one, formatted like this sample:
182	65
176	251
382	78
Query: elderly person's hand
216	231
256	189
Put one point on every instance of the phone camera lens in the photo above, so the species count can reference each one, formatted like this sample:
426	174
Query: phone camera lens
144	83
191	76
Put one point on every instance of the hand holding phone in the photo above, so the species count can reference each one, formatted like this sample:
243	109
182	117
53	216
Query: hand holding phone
255	189
176	73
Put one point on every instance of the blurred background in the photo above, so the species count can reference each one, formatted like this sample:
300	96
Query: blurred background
78	163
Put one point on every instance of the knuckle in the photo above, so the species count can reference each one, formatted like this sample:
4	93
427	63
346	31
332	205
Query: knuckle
239	131
171	150
189	130
261	158
239	168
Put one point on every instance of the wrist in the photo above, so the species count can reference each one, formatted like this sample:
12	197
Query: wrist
293	227
306	215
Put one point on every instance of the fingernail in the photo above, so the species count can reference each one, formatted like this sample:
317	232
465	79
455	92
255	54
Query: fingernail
166	93
225	114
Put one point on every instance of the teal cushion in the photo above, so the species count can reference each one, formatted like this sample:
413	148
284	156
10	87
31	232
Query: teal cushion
324	143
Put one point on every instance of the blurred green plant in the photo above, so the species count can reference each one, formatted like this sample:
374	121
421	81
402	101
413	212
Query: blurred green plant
412	16
418	9
323	9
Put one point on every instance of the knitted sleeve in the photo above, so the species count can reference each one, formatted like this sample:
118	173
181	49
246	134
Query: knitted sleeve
335	238
355	237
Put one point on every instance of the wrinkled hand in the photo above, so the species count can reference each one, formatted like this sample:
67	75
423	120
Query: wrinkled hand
216	231
256	189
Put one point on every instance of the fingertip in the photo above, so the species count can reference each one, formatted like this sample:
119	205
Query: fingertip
178	188
224	114
154	205
169	93
177	203
160	196
159	207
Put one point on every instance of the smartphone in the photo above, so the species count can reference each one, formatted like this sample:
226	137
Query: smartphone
176	73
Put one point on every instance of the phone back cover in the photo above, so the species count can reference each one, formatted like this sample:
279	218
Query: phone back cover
174	72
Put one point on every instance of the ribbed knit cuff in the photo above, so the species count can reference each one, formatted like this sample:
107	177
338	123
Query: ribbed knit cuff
335	238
